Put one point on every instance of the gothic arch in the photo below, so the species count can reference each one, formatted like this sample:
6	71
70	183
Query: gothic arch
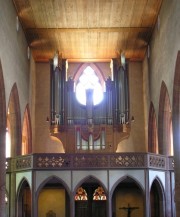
127	192
26	133
123	179
2	141
59	180
52	194
152	131
90	178
94	67
21	184
93	204
157	198
164	122
14	117
24	195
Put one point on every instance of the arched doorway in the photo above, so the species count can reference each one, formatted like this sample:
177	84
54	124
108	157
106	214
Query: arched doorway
53	199
24	199
127	199
156	200
90	199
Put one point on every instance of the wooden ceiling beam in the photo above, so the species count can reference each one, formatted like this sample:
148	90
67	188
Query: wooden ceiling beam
102	29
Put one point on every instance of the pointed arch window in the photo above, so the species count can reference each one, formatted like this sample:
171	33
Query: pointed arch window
89	80
99	194
81	194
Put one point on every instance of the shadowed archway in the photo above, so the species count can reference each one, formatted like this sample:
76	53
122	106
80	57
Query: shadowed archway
157	200
90	198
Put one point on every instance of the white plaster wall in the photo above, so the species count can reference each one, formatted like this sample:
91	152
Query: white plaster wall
164	46
136	141
13	54
43	142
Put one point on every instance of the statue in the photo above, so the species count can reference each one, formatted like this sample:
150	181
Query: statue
129	209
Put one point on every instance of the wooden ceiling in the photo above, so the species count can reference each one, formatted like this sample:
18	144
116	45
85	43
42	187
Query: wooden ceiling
88	30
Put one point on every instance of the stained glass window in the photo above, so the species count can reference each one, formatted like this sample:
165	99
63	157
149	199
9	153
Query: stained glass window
89	80
81	194
99	194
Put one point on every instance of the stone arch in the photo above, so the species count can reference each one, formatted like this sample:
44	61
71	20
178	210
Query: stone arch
152	131
124	178
127	192
51	178
157	198
2	141
164	122
92	205
26	133
53	195
89	178
24	195
14	117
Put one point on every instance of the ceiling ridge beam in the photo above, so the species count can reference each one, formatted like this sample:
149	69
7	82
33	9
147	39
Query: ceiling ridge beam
103	29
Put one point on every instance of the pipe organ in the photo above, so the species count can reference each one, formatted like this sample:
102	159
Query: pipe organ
89	127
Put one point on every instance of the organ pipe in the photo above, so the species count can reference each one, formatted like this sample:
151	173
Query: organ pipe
121	94
57	77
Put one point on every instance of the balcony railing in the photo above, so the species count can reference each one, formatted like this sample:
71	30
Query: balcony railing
49	161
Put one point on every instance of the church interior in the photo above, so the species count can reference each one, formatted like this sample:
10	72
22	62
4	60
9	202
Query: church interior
89	108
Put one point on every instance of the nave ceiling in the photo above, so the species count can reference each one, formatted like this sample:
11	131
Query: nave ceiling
88	30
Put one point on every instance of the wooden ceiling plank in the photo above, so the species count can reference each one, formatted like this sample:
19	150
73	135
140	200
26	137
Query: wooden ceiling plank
136	19
117	8
150	12
93	14
127	12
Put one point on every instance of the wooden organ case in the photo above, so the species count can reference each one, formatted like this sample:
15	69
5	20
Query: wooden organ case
88	128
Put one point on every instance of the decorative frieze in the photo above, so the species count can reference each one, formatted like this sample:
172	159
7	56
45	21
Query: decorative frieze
93	161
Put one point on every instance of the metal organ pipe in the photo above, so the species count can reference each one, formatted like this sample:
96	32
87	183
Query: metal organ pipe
57	94
52	89
121	94
109	101
70	87
57	90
